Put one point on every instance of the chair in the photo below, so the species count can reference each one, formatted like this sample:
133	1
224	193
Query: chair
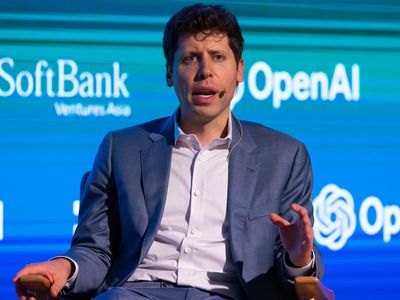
311	288
37	284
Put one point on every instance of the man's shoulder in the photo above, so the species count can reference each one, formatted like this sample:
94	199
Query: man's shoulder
143	128
139	134
264	135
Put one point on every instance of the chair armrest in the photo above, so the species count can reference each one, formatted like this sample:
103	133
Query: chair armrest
311	288
37	284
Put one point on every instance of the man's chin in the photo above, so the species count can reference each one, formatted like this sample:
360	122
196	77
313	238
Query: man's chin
206	114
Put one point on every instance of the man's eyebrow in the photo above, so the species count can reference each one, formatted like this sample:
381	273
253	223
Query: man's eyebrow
188	52
197	52
213	51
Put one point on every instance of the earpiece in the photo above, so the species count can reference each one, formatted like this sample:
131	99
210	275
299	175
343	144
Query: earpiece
240	135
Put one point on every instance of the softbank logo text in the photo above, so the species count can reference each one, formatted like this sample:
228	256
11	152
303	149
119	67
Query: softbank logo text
335	217
65	81
282	86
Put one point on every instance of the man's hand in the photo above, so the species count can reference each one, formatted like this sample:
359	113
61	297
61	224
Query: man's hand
57	271
298	237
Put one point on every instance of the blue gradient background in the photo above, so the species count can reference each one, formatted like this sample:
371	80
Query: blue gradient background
355	145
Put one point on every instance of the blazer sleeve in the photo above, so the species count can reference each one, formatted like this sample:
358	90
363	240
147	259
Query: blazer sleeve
298	189
97	223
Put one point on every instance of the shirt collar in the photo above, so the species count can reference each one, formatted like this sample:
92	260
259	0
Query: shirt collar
179	134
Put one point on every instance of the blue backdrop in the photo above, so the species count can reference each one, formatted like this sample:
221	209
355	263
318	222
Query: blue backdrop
326	72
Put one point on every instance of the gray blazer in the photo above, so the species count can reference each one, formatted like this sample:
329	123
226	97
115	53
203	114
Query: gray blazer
125	194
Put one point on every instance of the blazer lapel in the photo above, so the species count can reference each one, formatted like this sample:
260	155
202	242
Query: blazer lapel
243	172
156	163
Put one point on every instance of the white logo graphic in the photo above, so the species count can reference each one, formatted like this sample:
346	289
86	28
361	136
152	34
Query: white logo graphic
335	220
75	211
46	81
281	86
67	80
238	95
387	218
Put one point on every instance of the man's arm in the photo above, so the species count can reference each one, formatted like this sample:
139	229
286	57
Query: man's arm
296	219
91	242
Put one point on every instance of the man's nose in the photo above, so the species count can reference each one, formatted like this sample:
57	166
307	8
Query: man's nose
205	69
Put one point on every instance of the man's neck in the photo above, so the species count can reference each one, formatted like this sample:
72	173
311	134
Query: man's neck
206	131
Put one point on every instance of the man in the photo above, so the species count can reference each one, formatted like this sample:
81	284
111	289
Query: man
197	205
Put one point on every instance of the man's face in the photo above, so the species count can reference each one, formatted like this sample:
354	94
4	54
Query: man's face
204	75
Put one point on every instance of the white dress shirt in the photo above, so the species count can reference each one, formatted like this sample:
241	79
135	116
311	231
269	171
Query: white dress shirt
191	247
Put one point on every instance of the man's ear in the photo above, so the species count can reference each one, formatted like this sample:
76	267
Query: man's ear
240	73
170	83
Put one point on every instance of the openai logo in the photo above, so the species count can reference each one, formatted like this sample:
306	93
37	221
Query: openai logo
335	219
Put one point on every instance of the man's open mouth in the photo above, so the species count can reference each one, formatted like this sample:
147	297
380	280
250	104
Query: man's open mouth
204	93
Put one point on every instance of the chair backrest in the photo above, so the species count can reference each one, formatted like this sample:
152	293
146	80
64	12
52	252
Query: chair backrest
83	182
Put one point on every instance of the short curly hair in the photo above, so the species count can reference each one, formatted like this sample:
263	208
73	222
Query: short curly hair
200	18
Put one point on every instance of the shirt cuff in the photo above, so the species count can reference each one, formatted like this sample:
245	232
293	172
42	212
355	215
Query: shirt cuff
302	271
71	280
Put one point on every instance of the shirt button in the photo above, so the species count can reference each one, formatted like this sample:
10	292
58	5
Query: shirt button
187	250
196	193
194	231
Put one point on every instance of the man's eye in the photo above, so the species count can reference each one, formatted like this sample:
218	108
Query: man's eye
219	57
189	58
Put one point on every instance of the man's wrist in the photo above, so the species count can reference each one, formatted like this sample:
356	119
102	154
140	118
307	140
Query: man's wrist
293	271
299	262
73	273
67	263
